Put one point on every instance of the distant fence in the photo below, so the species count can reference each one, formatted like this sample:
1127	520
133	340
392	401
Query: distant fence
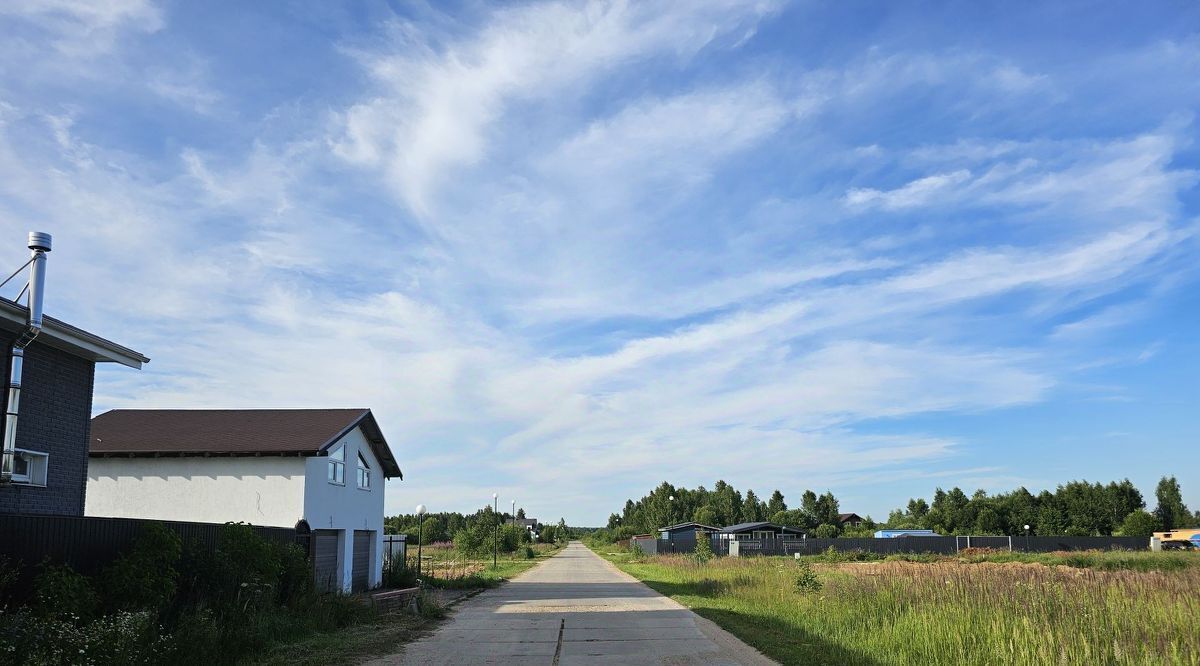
87	543
945	545
395	548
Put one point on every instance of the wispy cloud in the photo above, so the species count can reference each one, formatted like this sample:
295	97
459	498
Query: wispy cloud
571	249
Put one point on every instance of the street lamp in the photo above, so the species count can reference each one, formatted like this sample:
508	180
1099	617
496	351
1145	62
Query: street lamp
495	531
514	512
420	528
1027	538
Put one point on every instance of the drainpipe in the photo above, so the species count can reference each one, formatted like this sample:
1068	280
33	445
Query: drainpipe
39	245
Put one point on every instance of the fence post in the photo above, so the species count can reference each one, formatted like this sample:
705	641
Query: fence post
1010	543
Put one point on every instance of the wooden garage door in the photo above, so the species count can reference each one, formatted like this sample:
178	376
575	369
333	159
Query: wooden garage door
325	556
362	559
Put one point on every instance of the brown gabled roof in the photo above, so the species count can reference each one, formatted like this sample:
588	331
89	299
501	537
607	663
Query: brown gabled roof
236	432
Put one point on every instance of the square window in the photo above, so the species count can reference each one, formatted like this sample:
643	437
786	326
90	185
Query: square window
29	467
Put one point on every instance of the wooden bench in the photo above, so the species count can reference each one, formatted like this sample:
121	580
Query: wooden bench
393	600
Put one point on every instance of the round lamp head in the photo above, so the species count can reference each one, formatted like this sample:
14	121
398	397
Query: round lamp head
672	498
494	495
420	509
1026	527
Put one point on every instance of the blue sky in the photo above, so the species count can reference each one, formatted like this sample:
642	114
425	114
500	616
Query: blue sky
566	251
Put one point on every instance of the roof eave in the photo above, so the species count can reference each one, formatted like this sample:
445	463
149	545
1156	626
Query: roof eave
62	335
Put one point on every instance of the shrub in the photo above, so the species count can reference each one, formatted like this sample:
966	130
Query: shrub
397	575
1140	524
704	551
60	592
122	638
145	577
807	581
826	531
529	553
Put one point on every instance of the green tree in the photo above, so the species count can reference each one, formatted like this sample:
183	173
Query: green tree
752	510
705	516
1140	524
826	531
1171	511
827	509
776	504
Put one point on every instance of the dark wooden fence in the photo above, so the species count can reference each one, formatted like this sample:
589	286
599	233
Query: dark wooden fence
945	545
87	544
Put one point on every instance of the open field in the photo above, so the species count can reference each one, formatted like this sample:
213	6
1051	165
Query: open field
446	567
1123	608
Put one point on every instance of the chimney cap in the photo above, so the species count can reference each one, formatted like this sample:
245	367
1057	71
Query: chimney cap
39	240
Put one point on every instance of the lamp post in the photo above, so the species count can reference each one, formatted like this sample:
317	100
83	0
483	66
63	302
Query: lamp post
1027	538
496	532
514	512
420	535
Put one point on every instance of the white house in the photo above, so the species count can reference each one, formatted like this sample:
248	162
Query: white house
273	467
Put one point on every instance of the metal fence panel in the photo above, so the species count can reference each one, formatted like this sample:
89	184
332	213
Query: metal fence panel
87	544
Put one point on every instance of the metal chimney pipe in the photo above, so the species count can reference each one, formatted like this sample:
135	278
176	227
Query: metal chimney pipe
39	245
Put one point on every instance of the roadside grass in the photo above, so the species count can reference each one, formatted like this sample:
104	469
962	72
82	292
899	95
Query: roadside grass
1113	609
377	634
1110	560
447	568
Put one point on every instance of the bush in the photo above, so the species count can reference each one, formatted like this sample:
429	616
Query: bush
60	593
121	638
826	531
397	575
145	577
1140	524
807	581
704	551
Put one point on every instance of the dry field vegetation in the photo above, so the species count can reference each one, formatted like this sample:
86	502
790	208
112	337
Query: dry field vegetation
1118	608
446	567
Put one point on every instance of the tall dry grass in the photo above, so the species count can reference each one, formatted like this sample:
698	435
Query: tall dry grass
943	612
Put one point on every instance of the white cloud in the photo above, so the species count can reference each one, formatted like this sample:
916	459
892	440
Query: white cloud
436	102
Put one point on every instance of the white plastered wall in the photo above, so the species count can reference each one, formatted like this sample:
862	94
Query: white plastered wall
261	491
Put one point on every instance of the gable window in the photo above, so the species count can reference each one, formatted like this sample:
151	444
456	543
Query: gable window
29	467
364	473
337	465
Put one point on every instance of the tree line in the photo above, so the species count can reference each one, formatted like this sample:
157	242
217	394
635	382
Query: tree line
473	532
1077	508
722	506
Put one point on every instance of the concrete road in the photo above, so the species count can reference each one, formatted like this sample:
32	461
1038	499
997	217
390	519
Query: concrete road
576	608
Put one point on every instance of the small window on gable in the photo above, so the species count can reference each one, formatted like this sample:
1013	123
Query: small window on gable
337	465
29	467
364	473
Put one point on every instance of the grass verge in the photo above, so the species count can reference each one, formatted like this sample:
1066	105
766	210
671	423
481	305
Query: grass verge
380	634
941	612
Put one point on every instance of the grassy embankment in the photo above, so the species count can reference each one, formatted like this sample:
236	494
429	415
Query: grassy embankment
984	608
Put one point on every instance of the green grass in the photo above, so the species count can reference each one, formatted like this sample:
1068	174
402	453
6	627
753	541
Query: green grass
447	568
1114	560
381	634
1101	608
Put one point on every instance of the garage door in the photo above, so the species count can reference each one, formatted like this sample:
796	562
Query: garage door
362	559
325	556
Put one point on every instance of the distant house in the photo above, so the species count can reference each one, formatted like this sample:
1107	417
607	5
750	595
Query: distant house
759	530
263	466
850	520
49	454
891	534
691	529
530	524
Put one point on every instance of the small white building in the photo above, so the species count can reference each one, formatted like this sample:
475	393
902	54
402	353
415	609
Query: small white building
271	467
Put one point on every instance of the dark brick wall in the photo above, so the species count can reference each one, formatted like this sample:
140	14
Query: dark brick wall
55	418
